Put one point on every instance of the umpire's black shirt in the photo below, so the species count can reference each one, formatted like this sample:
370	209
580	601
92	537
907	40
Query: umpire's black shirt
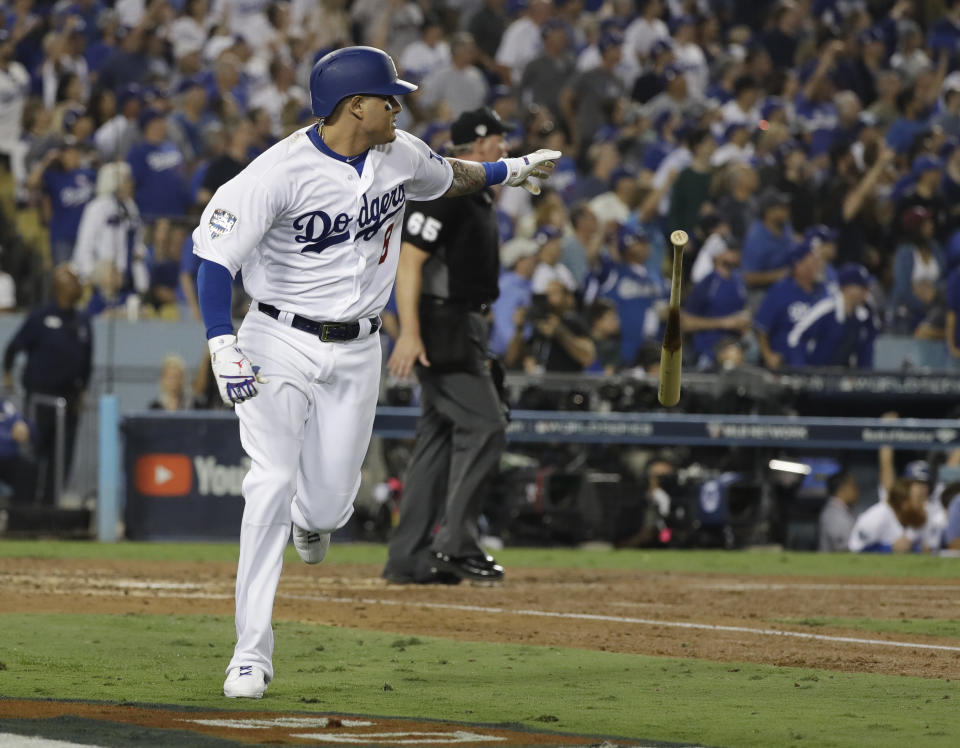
461	236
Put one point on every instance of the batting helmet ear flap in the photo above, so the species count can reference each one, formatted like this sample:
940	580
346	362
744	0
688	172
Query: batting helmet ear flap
351	71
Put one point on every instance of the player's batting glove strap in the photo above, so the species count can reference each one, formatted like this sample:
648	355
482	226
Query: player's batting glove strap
236	377
523	171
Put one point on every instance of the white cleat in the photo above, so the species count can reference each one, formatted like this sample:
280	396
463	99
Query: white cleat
245	682
310	544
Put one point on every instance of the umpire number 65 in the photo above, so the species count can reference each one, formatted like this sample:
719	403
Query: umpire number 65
428	228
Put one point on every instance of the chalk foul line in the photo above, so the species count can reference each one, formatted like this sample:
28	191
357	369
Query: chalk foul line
624	619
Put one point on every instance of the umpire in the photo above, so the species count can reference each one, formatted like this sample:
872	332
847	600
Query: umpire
447	278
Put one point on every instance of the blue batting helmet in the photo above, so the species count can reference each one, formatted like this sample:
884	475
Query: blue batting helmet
353	71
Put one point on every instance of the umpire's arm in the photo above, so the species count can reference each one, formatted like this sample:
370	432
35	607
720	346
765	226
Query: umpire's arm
409	348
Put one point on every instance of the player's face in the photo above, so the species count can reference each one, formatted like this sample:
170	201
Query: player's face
381	114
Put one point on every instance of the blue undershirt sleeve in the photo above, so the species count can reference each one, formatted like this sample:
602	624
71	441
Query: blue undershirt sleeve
214	291
496	172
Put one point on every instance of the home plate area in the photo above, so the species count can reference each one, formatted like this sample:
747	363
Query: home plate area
59	724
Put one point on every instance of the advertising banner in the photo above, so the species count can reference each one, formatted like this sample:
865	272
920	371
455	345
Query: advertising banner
183	477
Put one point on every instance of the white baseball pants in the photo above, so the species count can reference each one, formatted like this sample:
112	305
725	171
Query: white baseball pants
306	433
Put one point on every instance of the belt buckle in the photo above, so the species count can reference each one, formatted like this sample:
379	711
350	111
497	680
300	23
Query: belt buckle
327	331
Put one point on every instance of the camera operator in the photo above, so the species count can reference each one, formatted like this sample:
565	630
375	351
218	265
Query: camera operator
561	341
446	280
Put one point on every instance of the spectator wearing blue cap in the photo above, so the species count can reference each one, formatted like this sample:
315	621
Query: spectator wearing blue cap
785	304
692	186
840	329
918	272
589	98
68	185
545	76
116	136
717	307
158	170
653	78
646	30
769	240
638	294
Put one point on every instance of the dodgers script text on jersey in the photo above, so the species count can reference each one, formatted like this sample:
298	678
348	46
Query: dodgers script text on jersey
312	236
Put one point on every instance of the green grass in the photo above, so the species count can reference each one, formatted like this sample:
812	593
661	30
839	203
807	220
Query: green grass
180	660
700	562
910	626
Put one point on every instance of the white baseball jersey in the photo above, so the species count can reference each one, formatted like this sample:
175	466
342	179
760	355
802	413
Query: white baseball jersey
877	525
309	234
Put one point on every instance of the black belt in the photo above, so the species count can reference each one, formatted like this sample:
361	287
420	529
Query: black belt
328	332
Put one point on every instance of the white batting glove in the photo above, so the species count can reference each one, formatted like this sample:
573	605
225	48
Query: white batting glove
539	164
236	377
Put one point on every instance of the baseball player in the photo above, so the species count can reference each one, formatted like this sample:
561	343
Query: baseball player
314	223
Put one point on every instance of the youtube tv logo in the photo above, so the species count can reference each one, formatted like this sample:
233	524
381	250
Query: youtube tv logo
163	475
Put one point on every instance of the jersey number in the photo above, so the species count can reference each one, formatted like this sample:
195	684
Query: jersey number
428	228
386	243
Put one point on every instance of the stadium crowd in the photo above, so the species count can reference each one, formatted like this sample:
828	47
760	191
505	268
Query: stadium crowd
810	147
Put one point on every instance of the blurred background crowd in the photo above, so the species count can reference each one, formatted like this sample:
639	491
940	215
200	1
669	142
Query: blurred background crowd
809	147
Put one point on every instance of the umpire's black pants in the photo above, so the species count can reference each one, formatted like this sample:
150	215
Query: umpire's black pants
460	437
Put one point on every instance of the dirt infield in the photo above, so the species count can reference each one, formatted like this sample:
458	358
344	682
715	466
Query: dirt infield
126	725
715	617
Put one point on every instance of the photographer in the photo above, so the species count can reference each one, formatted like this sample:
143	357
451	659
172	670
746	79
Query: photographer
561	341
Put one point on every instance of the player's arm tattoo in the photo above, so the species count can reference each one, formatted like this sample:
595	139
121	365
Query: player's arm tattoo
468	177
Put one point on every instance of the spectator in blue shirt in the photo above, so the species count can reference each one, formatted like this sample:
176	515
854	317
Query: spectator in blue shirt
518	257
769	240
158	170
840	329
911	122
785	303
68	185
638	294
716	307
17	469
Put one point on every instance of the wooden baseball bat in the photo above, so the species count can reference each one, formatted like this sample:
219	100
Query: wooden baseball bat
671	354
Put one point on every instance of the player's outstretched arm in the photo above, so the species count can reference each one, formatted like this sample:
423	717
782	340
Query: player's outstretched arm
470	176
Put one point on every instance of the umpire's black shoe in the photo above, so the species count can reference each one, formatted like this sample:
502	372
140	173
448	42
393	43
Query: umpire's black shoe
474	568
433	576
